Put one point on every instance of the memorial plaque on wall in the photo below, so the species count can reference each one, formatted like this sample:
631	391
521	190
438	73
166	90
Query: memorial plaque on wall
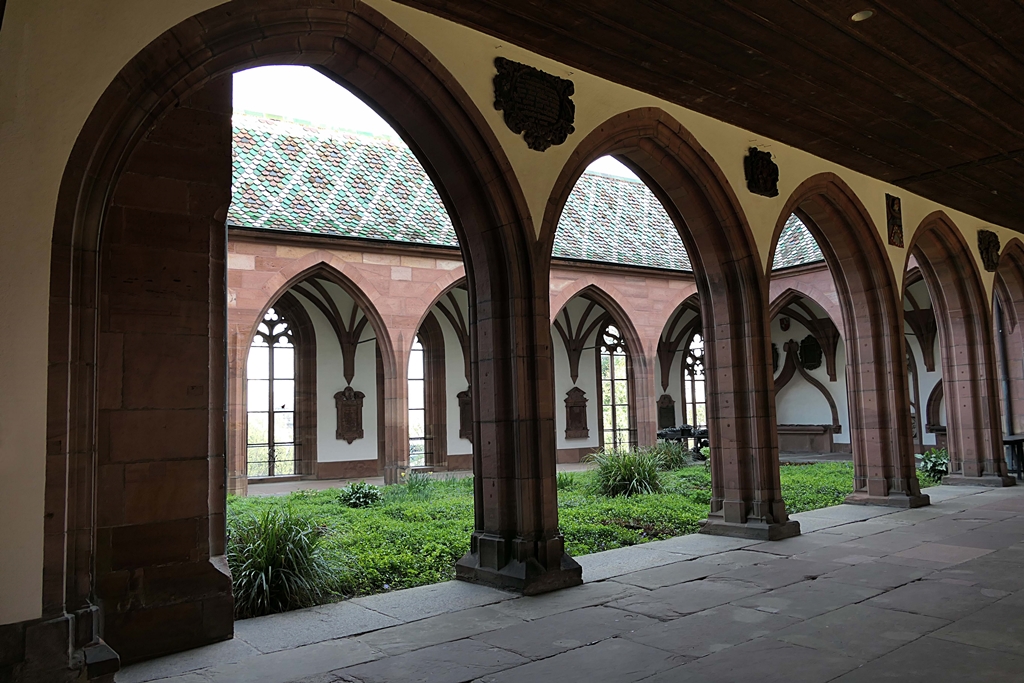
894	219
465	414
666	412
349	404
761	172
988	247
576	414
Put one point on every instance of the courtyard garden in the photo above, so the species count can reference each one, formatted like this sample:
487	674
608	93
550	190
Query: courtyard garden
311	547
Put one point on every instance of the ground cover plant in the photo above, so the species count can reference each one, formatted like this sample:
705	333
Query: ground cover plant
414	533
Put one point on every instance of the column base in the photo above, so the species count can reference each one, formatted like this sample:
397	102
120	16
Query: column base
528	578
754	529
895	500
991	481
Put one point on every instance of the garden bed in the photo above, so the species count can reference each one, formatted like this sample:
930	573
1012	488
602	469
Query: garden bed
416	532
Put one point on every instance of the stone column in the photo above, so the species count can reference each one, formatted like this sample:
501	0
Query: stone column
161	446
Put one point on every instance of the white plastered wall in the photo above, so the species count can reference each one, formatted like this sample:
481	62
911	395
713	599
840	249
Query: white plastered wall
330	379
800	402
587	380
57	58
455	376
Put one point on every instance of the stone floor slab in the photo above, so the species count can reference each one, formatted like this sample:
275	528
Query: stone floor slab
800	544
566	631
942	553
700	544
612	563
779	573
672	602
928	660
463	660
227	652
764	660
987	573
440	629
587	595
304	627
937	599
809	598
427	601
611	661
681	572
996	627
294	664
877	575
860	631
710	631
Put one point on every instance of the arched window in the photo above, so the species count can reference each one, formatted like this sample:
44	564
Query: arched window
270	374
417	410
695	402
613	366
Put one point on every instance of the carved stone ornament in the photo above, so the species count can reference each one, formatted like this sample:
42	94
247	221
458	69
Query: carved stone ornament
810	353
988	245
666	412
535	103
894	220
466	414
576	414
762	173
349	404
775	357
784	324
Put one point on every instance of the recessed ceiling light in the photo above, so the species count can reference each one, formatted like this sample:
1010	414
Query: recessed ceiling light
863	15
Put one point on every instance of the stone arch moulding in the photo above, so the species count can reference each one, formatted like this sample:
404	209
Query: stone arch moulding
746	494
356	45
970	381
667	348
791	367
242	324
885	471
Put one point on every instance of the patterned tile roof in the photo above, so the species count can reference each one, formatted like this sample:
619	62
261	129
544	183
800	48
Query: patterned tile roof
796	246
296	177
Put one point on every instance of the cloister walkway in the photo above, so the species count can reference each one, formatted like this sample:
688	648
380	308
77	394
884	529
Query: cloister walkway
865	594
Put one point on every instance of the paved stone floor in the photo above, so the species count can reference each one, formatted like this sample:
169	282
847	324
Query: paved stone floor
866	594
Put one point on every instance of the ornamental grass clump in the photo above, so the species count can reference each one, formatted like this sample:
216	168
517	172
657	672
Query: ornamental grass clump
277	563
674	455
627	473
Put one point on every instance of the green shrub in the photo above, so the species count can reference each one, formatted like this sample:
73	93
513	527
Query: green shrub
705	453
566	481
359	494
627	473
934	462
277	562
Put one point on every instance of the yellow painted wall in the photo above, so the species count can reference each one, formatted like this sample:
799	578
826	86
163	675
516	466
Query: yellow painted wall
58	56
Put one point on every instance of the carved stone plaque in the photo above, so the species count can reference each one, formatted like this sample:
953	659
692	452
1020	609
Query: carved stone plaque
536	104
666	412
988	245
762	173
810	353
349	404
465	414
894	219
576	414
784	324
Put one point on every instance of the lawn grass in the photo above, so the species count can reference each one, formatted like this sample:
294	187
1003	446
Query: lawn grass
414	537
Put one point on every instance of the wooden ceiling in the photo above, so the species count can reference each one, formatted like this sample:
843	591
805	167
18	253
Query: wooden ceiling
926	94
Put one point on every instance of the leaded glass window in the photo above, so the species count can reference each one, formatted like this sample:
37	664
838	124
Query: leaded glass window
417	407
615	418
694	384
270	392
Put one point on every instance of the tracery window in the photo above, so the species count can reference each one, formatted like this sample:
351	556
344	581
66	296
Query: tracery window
613	363
417	407
694	384
270	392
